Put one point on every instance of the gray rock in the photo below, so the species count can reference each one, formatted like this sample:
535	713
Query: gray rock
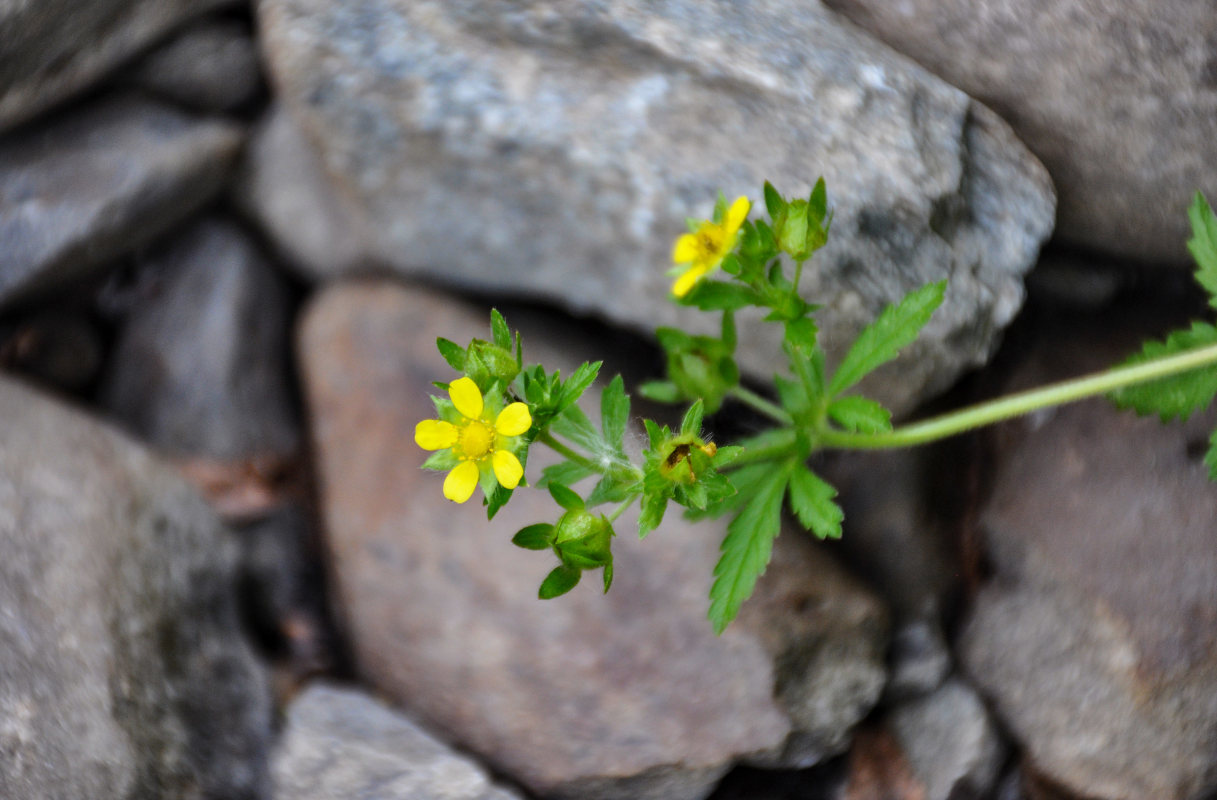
1095	639
628	695
282	186
122	669
213	66
51	49
1119	100
950	742
59	348
80	189
555	149
200	367
340	743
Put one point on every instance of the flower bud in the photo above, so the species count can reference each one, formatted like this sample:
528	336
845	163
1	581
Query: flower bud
583	540
500	363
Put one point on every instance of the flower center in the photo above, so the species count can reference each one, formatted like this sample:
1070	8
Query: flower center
476	440
710	240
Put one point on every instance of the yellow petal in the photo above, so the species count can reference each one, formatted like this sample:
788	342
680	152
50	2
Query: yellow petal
435	434
466	397
507	469
736	214
513	420
685	249
461	481
686	281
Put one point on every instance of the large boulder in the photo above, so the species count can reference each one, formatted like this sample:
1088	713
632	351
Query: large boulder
555	150
84	187
628	695
123	671
51	49
1119	100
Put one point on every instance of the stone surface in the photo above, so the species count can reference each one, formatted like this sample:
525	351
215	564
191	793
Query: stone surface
122	668
1119	100
212	66
340	743
51	49
79	189
59	348
1096	640
628	695
200	367
951	744
555	149
282	186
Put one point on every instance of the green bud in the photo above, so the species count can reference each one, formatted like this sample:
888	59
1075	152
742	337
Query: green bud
499	363
683	458
583	540
791	228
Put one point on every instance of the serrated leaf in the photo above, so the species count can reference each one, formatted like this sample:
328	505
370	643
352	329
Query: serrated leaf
567	473
860	414
499	332
1179	395
452	352
811	499
614	413
655	432
725	455
660	391
801	333
565	496
534	537
817	202
559	582
1203	245
609	489
773	201
1210	457
574	425
719	296
691	424
583	377
880	342
653	508
747	547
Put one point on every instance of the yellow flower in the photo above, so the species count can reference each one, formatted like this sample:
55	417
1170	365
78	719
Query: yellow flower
478	443
704	249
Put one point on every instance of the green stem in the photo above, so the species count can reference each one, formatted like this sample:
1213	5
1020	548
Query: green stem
1015	405
751	398
546	438
798	273
619	510
781	446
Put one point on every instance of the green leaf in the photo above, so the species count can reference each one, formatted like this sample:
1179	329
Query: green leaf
574	425
534	537
614	413
747	547
559	582
610	489
801	333
817	202
1179	395
1203	245
692	420
499	331
1210	458
860	414
660	391
452	352
719	296
811	499
442	460
879	342
725	455
583	377
565	496
566	473
653	508
773	201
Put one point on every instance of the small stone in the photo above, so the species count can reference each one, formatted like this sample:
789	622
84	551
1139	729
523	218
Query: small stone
212	67
200	367
339	743
80	189
52	49
123	672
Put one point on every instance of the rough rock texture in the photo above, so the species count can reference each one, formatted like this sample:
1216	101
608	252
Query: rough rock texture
1096	640
340	743
200	367
211	67
628	695
50	49
1119	100
281	184
555	149
950	742
80	189
122	669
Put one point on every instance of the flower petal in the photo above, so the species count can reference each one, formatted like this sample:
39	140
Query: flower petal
507	468
460	483
435	434
685	249
686	281
513	420
736	215
466	396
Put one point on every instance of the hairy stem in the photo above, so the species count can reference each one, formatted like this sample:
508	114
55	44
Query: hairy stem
751	398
